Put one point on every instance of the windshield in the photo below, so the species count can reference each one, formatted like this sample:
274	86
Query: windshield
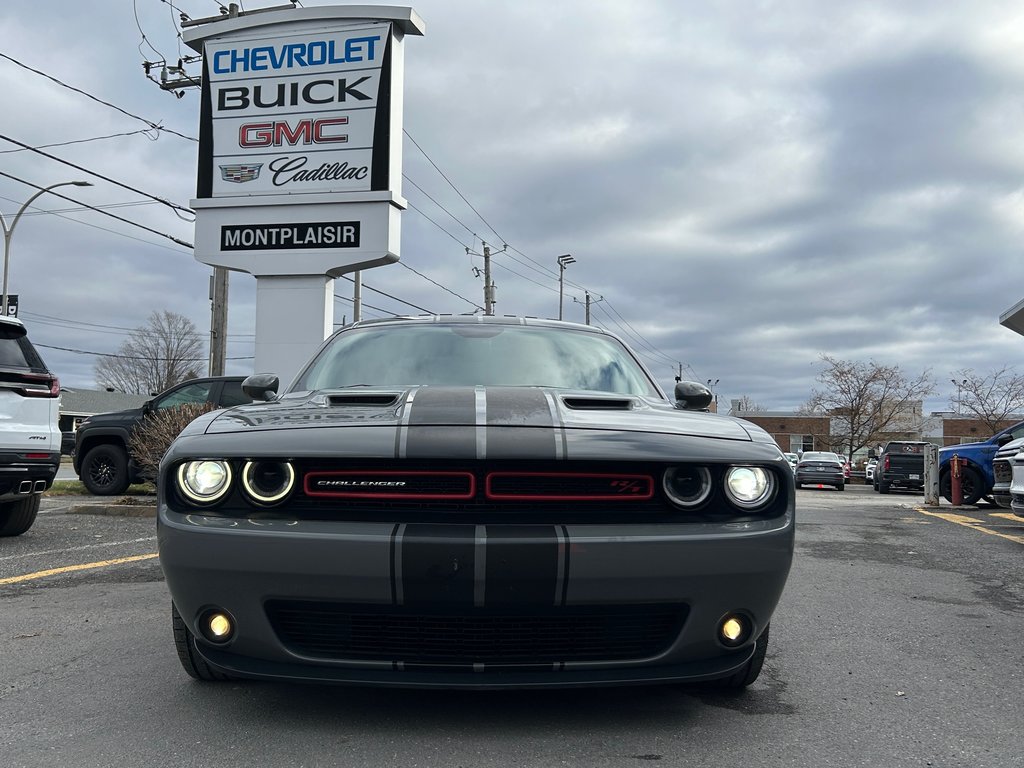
469	355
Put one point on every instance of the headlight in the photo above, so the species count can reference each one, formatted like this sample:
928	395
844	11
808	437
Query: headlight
749	487
268	482
687	486
204	481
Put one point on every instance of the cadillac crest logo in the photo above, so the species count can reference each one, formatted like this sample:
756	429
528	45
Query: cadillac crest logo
240	173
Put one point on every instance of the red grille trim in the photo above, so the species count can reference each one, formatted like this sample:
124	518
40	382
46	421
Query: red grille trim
620	487
464	490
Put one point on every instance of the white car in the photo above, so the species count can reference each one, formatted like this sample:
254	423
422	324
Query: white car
1017	485
29	435
869	470
792	458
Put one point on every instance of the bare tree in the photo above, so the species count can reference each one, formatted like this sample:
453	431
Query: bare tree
867	400
746	404
990	398
156	356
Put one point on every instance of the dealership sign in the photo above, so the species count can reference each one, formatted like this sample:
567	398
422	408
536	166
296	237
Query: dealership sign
297	113
300	139
299	175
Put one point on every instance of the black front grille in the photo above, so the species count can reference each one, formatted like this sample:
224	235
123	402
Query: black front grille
1003	471
333	631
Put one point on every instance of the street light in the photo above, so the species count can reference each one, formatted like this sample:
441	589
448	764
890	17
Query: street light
959	386
564	260
9	231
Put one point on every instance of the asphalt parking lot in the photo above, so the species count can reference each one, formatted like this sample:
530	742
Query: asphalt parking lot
897	643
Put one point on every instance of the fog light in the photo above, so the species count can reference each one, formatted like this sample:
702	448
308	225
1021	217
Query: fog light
734	630
217	627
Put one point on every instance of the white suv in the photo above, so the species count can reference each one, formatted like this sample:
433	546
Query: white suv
29	435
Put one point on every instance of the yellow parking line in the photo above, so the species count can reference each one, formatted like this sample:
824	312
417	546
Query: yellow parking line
970	522
73	568
1008	516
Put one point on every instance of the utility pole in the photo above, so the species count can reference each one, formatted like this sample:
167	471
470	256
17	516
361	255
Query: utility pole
563	260
357	296
488	286
218	320
587	295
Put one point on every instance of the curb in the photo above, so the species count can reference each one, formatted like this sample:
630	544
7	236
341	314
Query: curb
114	510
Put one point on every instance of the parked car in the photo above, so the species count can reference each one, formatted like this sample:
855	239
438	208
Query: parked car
900	467
793	459
474	502
1002	472
820	468
869	470
29	435
977	478
1017	484
101	442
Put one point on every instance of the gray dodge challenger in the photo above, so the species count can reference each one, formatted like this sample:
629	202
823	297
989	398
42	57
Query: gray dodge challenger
475	502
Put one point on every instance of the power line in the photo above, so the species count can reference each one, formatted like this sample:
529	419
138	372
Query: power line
168	203
67	323
443	287
98	210
150	123
80	141
382	293
453	237
431	199
134	357
452	185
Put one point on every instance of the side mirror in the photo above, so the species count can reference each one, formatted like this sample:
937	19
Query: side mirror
1004	439
261	387
147	407
693	396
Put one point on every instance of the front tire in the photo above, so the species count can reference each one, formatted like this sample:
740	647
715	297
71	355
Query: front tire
750	671
16	517
883	488
841	486
105	470
188	654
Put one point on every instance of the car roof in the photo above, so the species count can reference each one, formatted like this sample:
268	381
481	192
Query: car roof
472	319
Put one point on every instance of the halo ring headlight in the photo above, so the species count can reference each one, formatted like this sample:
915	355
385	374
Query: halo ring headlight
687	486
204	481
268	482
749	487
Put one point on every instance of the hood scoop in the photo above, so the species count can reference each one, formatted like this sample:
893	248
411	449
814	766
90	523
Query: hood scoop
599	403
363	399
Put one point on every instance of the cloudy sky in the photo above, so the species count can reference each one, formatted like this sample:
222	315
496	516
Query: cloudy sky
744	185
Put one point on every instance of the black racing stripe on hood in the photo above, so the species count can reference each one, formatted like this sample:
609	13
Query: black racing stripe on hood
511	407
452	406
442	424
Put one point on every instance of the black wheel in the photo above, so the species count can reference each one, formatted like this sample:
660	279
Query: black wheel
749	672
883	487
970	486
841	486
16	517
799	485
105	470
188	654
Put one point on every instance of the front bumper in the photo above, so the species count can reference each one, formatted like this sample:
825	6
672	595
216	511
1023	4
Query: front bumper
467	591
811	477
22	474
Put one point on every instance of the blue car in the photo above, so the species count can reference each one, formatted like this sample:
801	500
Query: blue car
977	478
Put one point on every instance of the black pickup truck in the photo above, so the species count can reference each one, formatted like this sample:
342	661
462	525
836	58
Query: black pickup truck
900	466
101	441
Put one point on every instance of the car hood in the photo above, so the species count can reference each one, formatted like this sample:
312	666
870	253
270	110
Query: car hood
473	407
